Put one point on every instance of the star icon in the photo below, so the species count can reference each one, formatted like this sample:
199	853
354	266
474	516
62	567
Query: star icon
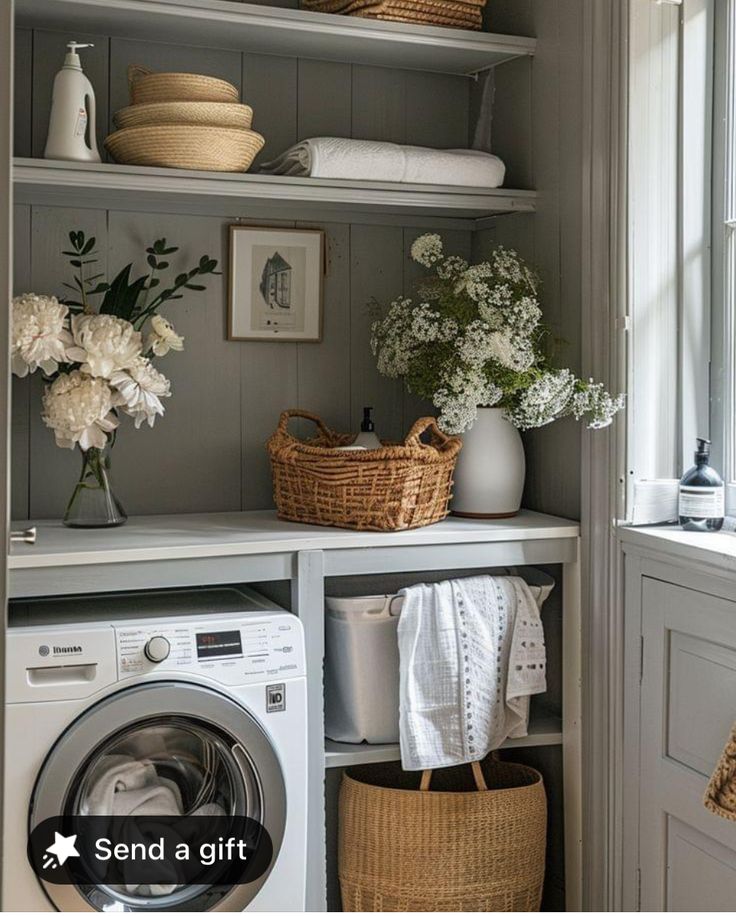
60	850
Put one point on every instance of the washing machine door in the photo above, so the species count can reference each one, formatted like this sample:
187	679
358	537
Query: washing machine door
191	736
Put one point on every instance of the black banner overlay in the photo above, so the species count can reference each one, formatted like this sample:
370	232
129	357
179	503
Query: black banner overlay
149	854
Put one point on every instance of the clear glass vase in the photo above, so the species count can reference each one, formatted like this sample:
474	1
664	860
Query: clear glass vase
93	503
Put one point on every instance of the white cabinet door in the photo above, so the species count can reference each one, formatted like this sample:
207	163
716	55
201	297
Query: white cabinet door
688	704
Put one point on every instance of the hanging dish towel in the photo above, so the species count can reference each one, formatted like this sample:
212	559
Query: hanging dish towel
339	157
471	655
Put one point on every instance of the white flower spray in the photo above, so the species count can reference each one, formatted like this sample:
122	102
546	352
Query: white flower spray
475	338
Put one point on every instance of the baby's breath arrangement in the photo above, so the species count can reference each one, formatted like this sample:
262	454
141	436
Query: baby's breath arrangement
475	339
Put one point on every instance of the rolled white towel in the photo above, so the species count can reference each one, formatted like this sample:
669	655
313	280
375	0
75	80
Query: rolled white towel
341	158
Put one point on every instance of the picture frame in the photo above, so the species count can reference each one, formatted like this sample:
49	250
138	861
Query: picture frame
275	283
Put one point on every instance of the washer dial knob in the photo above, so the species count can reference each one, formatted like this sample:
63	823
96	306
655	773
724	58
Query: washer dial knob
157	649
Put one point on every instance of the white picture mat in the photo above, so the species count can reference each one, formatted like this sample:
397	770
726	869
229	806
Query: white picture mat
300	319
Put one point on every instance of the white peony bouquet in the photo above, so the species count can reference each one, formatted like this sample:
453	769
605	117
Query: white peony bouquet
475	339
97	361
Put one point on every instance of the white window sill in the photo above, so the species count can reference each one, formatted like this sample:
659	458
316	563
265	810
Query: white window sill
697	548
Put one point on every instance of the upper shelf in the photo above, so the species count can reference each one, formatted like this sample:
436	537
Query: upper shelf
110	186
287	32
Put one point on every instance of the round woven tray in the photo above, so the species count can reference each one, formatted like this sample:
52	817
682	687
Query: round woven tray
146	86
208	114
186	146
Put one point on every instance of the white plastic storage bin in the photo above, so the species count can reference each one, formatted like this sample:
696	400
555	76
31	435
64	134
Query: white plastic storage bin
362	663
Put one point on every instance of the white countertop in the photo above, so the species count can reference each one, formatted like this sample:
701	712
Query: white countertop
158	537
710	548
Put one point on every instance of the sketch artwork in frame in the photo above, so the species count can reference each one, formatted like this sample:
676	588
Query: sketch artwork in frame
275	283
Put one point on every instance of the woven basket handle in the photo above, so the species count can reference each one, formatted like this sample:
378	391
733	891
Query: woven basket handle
420	427
480	781
135	72
304	415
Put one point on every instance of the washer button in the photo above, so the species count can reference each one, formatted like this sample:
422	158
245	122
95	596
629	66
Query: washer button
157	649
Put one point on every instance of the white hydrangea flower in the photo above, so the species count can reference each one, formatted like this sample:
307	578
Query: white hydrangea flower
103	344
140	389
593	399
163	337
452	266
39	336
544	400
427	249
78	409
425	324
464	391
391	342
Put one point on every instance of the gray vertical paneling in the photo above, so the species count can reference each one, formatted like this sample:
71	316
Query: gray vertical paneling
324	99
268	378
21	388
53	470
49	49
512	117
165	57
269	87
202	419
379	104
437	110
22	102
510	17
324	369
376	255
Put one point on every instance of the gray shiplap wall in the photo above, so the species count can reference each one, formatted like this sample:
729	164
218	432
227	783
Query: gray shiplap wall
227	396
207	453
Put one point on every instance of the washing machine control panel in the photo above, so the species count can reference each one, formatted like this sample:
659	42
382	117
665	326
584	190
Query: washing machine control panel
230	652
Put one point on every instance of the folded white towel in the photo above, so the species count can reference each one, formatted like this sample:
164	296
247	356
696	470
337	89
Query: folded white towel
471	654
338	157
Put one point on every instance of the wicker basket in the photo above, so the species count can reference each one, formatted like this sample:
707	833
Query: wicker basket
147	86
186	146
395	487
207	114
461	848
720	795
462	14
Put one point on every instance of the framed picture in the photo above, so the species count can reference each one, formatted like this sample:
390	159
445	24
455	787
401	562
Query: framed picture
275	283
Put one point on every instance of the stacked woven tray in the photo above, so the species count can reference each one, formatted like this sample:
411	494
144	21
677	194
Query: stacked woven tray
184	121
459	14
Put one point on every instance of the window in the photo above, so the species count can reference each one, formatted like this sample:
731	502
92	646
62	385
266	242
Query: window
723	357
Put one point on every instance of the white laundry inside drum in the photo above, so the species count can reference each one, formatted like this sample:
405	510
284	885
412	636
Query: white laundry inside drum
362	663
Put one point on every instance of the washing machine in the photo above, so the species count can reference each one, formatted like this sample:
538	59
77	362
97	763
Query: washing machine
207	685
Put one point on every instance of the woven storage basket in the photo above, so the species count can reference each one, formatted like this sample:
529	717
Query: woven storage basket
398	486
462	848
147	86
465	14
207	114
720	795
186	146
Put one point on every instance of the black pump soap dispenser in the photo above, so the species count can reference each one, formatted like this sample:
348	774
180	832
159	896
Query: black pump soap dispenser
367	436
701	503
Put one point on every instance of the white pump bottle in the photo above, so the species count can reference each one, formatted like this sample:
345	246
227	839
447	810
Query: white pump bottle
72	113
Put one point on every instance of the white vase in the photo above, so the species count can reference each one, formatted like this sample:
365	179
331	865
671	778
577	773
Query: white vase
489	475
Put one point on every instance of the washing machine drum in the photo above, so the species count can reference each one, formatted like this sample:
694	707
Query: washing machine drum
201	745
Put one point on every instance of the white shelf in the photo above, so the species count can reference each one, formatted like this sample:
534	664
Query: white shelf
270	30
52	182
227	534
542	733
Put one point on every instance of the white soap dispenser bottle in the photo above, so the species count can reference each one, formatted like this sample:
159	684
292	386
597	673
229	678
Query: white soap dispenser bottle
72	113
367	437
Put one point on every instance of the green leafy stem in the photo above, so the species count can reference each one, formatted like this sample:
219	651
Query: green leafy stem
124	297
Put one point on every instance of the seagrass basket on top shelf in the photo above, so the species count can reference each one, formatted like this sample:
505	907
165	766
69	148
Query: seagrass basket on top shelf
458	14
397	486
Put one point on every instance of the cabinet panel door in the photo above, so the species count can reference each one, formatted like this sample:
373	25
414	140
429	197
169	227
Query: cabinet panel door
688	703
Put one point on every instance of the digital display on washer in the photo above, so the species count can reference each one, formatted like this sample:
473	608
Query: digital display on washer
224	644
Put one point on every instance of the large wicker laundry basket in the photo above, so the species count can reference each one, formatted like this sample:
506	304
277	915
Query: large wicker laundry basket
460	847
399	486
